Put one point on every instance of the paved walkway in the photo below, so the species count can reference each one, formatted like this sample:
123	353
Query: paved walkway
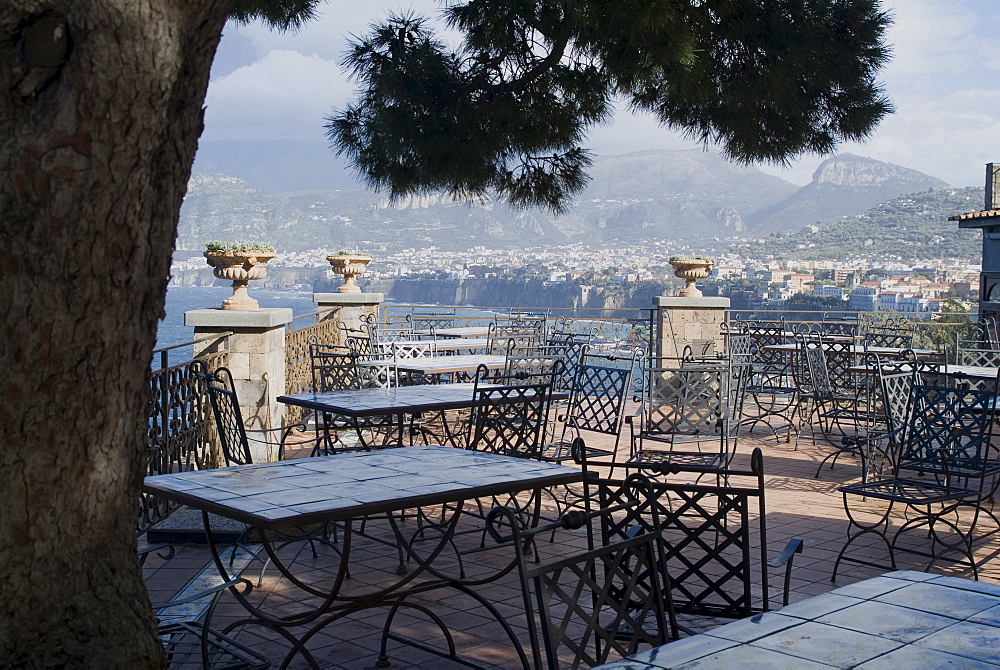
798	505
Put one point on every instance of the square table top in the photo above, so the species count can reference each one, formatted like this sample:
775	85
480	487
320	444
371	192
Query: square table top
386	401
435	365
335	488
452	344
899	620
858	349
461	331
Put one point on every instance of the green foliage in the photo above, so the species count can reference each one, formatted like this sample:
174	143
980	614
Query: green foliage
507	111
276	14
910	227
239	246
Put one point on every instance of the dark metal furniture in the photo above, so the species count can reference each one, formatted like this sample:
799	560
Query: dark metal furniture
587	608
685	417
345	490
714	538
941	467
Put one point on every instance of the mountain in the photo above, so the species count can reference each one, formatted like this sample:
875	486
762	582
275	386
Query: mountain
910	227
841	186
693	197
277	166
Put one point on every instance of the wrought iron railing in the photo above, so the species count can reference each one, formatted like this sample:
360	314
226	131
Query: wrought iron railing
180	434
298	370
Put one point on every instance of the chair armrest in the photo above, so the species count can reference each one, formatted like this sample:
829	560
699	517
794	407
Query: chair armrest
786	558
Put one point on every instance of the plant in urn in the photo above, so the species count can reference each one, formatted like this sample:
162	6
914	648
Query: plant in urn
240	263
349	264
691	269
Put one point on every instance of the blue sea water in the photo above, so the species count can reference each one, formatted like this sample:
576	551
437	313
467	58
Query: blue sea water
181	299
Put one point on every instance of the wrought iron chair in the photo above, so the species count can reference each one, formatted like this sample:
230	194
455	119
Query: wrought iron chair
830	405
888	332
771	381
592	607
509	415
236	448
714	537
182	624
944	460
685	406
596	404
234	437
334	368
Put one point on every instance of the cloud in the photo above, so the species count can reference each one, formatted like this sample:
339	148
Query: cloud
284	95
944	80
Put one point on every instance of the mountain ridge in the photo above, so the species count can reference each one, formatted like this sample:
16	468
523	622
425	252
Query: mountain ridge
690	196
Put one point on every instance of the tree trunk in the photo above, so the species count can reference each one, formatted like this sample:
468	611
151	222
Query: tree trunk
100	112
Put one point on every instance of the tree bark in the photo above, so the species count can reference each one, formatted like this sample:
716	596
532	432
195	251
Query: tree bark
100	112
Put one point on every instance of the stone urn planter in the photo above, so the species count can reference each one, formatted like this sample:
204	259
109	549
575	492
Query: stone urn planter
691	270
240	267
349	265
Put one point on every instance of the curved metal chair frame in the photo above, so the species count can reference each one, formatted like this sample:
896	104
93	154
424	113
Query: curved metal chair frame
595	606
714	537
942	465
685	406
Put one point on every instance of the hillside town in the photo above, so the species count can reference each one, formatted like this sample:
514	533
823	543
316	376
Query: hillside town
876	284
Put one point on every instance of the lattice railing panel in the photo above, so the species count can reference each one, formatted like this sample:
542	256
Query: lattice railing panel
298	367
179	432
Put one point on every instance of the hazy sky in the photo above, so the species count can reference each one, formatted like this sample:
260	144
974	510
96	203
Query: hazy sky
944	80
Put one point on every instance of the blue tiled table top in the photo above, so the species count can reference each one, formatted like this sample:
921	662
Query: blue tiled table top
334	488
906	620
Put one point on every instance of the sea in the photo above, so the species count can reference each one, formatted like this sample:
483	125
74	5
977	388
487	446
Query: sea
181	299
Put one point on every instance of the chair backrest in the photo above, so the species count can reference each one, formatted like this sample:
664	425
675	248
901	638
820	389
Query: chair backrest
509	418
895	388
714	538
948	429
888	332
597	397
228	417
692	399
817	375
423	349
594	606
333	367
536	364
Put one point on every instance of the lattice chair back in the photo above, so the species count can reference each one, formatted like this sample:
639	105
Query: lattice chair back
763	335
596	404
948	431
895	391
714	539
228	417
592	607
413	350
817	374
363	348
536	364
333	367
509	419
890	332
977	356
377	373
688	400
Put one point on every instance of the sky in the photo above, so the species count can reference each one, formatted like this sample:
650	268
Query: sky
944	80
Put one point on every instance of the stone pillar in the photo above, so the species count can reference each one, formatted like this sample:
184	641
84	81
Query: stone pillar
256	353
690	321
349	307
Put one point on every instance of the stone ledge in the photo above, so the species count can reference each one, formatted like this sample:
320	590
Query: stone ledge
348	298
267	317
691	303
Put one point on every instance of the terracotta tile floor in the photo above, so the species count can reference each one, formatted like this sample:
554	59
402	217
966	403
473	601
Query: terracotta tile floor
798	505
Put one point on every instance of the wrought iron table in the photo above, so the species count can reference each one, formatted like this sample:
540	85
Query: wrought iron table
462	331
435	366
345	489
902	619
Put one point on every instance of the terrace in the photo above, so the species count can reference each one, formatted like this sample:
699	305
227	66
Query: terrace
798	503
